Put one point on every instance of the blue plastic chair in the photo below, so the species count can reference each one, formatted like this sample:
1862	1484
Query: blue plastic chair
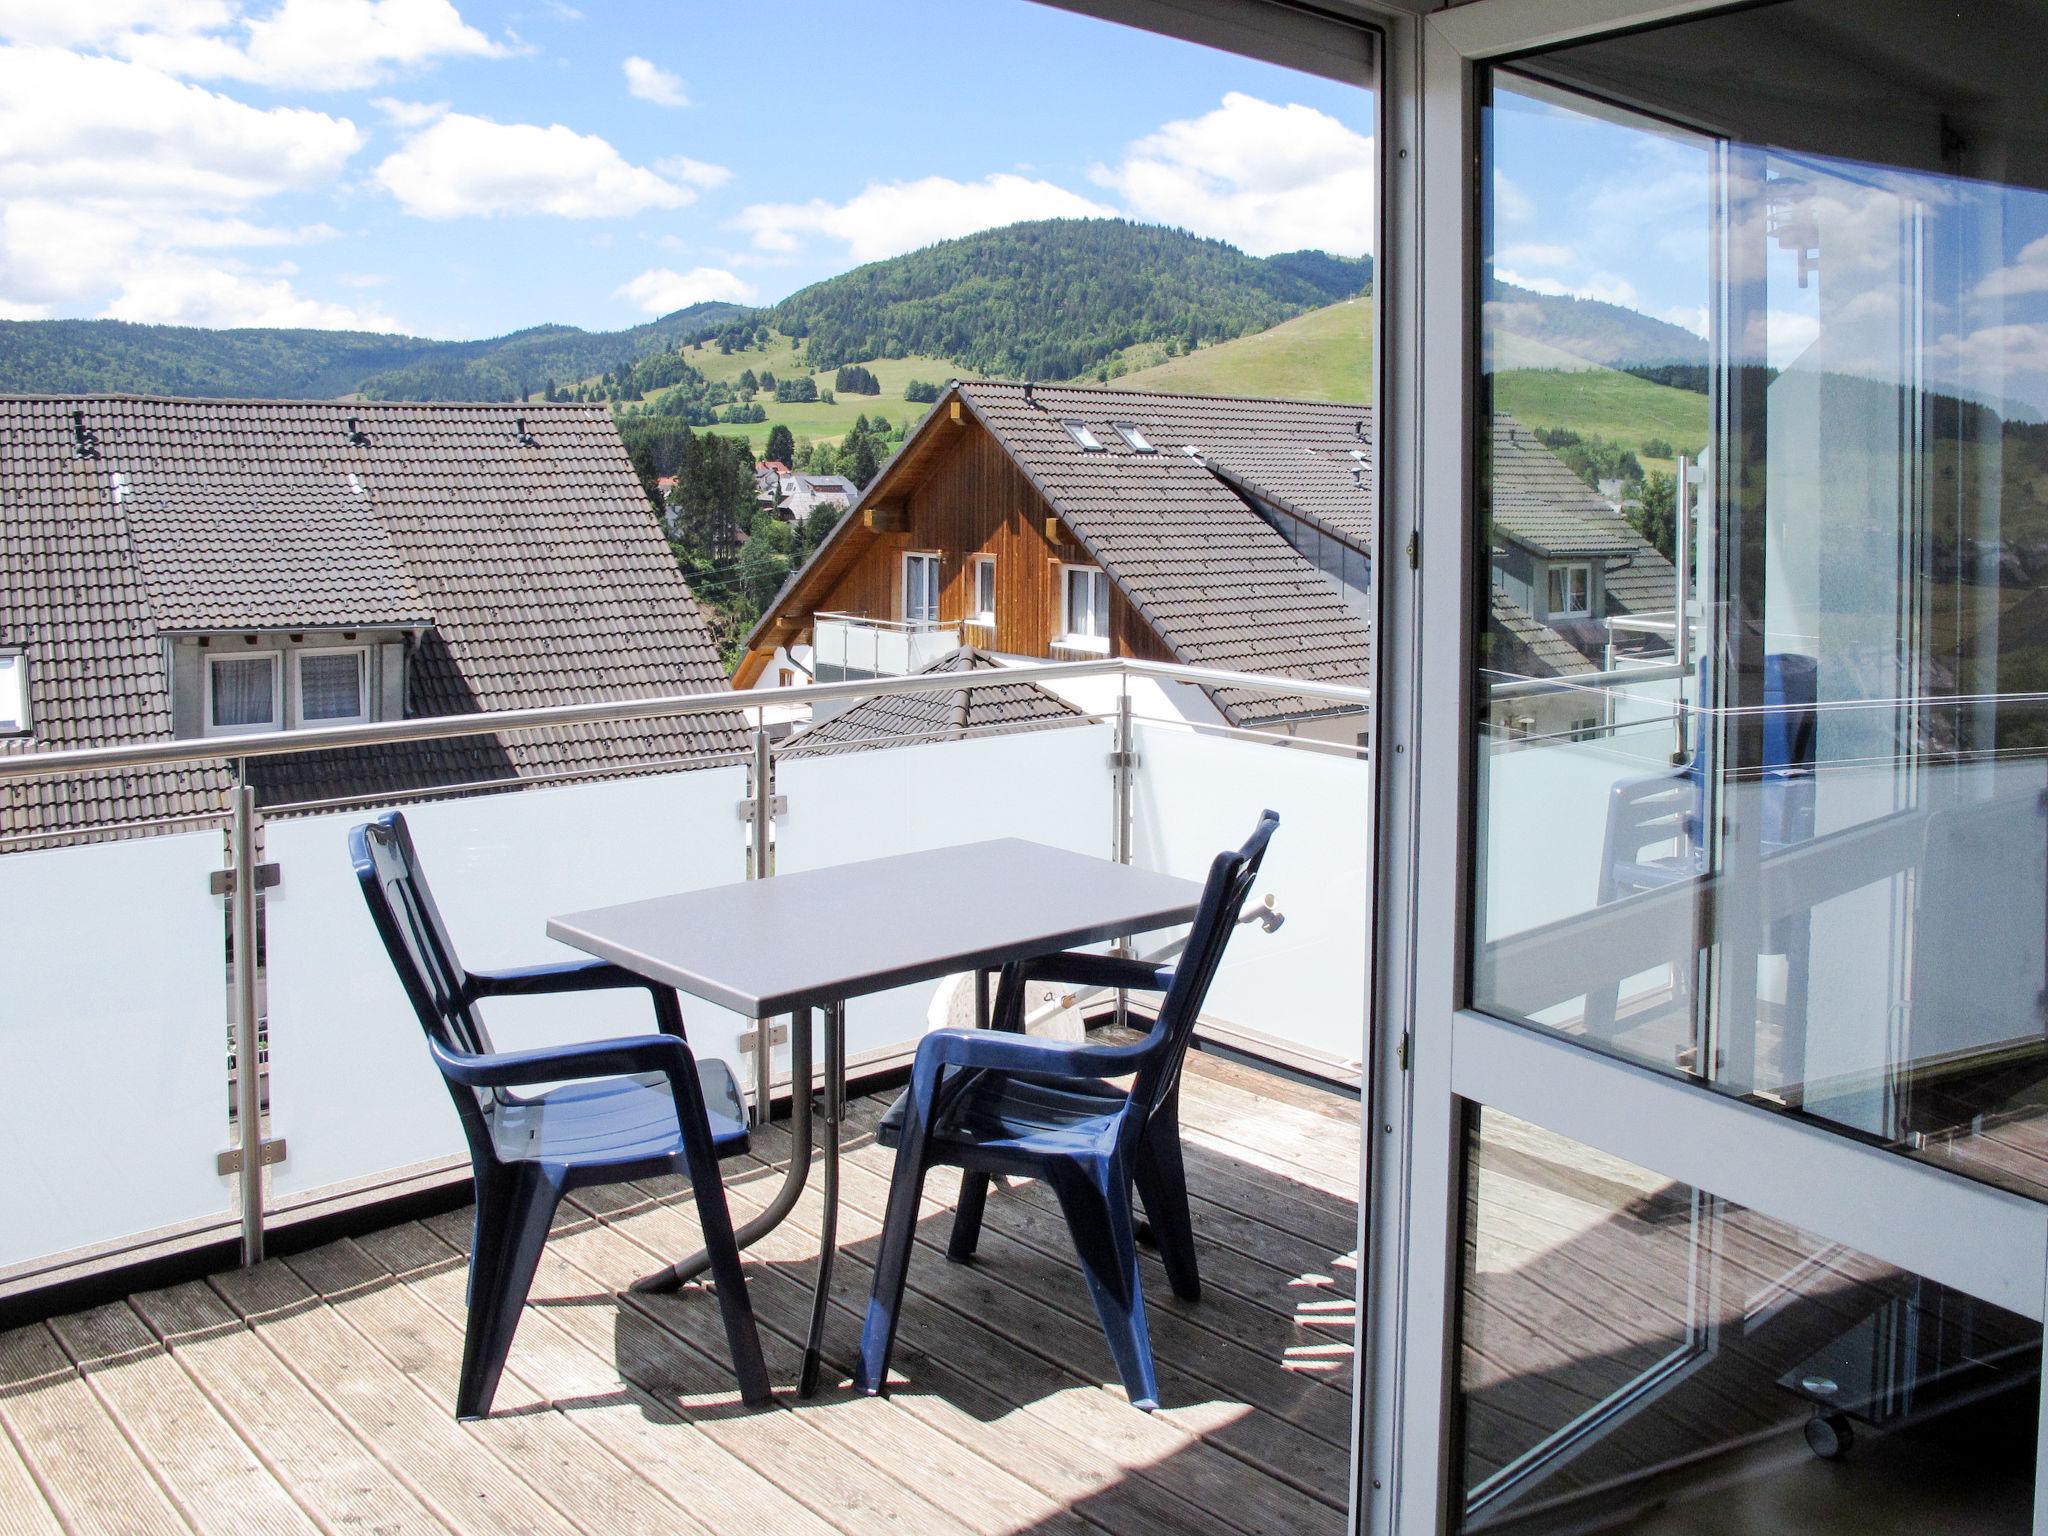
1000	1102
632	1108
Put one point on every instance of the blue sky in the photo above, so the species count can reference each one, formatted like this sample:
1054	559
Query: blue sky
457	168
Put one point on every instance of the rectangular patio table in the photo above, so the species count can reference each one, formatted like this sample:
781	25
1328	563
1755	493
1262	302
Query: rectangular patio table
803	942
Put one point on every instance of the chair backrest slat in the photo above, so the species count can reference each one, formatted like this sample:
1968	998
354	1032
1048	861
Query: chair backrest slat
1231	874
402	907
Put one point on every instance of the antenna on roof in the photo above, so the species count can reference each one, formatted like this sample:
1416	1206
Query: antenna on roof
87	440
356	434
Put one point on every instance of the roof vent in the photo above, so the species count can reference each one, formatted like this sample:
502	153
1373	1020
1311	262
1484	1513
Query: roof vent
356	434
1358	430
120	487
519	431
1029	397
86	440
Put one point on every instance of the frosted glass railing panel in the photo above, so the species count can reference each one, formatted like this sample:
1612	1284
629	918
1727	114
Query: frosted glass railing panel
1051	786
1544	814
114	1034
352	1089
892	652
1302	985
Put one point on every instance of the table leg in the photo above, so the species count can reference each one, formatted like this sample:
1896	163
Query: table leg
794	1177
835	1112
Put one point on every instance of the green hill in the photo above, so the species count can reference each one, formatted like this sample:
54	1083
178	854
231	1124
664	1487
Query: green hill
1325	354
93	356
1055	298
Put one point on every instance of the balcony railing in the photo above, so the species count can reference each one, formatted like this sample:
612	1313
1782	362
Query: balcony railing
850	646
125	1002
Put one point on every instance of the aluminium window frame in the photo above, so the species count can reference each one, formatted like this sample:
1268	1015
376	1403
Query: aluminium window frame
297	701
276	722
1566	571
24	723
915	559
983	614
1433	1053
1071	638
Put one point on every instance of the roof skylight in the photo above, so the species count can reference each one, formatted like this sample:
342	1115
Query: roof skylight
1133	437
1078	431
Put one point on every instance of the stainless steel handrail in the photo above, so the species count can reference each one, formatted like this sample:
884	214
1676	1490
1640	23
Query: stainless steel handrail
206	749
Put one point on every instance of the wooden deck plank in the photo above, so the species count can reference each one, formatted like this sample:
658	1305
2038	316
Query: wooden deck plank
81	1459
1050	1417
328	1469
219	1482
590	1486
568	1353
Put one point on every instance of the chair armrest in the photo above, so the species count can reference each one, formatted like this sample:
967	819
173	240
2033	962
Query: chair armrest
595	1058
1098	971
1003	1052
557	976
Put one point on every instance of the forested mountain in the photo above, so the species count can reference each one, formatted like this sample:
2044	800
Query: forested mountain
1593	330
86	356
1052	299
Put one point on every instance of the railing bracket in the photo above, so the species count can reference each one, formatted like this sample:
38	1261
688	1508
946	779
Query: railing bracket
229	1163
221	882
744	809
750	1039
1123	760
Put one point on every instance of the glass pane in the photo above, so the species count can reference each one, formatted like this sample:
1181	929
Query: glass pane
13	693
1638	1355
1762	803
243	691
331	687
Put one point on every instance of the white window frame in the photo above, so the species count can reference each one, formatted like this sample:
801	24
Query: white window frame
914	560
1076	640
14	668
1572	573
362	656
985	571
1426	1053
276	722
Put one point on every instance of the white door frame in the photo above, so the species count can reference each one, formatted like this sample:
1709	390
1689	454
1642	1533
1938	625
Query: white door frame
1430	1051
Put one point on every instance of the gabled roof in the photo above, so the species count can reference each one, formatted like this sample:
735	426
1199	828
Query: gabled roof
1212	577
1521	645
535	559
1539	502
1331	488
892	720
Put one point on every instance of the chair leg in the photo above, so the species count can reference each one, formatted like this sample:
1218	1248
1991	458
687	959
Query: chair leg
514	1206
1163	1184
1099	1217
892	1264
721	1248
967	1218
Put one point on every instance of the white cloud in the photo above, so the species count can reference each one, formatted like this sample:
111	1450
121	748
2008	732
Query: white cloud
409	114
660	290
1532	253
98	22
1604	286
469	166
170	289
1511	205
312	44
2029	274
114	175
1262	176
650	82
697	173
889	218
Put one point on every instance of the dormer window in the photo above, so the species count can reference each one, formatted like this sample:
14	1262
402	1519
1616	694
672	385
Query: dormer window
1079	432
13	693
333	688
243	694
1134	438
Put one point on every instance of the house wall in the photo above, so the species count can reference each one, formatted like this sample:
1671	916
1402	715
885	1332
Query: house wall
188	671
976	501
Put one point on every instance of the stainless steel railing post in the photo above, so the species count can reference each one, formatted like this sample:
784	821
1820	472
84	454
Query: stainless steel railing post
248	1064
762	866
1126	760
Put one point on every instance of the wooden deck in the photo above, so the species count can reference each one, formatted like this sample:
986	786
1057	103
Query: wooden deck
314	1392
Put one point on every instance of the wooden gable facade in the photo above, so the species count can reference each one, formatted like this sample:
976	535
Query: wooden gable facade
954	491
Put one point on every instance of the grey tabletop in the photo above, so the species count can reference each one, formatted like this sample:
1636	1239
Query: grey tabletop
765	947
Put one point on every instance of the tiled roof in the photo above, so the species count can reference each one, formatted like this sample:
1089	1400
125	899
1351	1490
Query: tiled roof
1520	645
1329	487
1216	582
536	560
890	720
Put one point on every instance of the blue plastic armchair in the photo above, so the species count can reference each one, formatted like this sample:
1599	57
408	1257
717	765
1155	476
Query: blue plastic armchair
999	1102
631	1108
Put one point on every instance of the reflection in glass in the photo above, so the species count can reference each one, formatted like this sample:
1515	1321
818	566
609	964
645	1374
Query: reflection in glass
1637	1355
1763	763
